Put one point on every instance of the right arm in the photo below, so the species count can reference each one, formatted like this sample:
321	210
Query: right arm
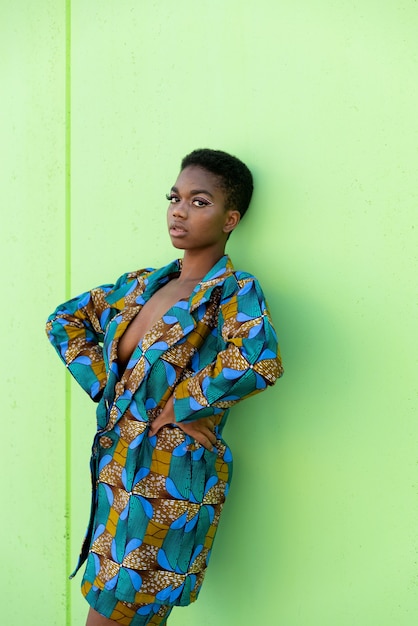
76	330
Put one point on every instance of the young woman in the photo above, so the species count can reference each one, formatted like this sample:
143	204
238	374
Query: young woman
166	353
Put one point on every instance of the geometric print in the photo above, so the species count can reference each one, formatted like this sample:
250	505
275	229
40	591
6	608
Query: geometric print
156	501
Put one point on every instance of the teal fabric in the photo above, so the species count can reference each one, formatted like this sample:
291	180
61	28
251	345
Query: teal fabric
156	501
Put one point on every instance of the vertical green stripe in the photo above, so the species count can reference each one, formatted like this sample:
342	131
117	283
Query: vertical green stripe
68	295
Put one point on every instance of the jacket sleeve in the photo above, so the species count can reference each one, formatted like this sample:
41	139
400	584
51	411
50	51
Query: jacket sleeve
76	330
248	360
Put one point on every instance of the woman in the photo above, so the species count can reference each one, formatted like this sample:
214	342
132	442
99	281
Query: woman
166	353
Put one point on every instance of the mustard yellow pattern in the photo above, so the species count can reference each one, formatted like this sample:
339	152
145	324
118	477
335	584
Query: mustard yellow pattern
156	501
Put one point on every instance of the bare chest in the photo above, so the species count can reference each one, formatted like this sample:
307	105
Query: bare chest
152	311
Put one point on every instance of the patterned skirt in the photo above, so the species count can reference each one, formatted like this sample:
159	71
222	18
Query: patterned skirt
156	511
125	613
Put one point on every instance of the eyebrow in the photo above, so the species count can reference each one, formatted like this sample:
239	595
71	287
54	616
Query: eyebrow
193	192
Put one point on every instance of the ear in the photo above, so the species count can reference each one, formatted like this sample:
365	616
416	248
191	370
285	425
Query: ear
232	220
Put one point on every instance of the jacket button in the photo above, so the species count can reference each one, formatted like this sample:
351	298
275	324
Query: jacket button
105	442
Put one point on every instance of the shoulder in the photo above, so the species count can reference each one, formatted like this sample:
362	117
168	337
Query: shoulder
241	292
242	282
135	275
125	285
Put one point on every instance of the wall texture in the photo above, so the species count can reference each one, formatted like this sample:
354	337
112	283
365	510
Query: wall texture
32	231
100	101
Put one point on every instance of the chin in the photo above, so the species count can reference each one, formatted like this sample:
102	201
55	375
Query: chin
177	244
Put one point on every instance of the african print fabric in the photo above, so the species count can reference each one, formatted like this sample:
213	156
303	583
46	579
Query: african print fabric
156	501
125	613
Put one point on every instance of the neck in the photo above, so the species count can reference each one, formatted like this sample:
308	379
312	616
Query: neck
197	264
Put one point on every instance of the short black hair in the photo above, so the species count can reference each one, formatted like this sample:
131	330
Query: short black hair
234	176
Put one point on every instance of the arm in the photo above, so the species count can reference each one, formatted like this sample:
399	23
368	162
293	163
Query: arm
76	330
248	360
200	429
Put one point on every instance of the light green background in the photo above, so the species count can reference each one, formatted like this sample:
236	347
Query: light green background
100	100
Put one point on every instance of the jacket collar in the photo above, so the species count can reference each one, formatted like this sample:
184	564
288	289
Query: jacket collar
203	290
214	278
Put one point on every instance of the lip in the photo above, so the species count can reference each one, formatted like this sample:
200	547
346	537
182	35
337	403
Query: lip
177	230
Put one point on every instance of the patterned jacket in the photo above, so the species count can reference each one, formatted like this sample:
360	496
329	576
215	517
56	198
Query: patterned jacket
210	351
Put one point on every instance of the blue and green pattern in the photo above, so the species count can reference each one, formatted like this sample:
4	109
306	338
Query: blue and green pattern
156	500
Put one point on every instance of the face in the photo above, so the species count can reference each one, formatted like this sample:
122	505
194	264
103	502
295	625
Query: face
197	217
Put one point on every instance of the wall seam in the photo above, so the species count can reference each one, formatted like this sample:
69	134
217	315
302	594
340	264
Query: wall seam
67	270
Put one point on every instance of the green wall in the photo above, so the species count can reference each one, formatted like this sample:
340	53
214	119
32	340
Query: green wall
100	101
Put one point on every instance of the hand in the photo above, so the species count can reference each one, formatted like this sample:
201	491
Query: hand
201	429
165	417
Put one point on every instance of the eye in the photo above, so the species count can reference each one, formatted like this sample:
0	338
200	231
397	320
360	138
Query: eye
171	197
201	202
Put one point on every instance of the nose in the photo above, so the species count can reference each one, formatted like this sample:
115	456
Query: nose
179	209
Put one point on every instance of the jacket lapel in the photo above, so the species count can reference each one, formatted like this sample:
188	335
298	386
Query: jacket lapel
184	315
214	278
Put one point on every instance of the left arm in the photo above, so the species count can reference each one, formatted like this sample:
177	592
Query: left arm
248	360
201	429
